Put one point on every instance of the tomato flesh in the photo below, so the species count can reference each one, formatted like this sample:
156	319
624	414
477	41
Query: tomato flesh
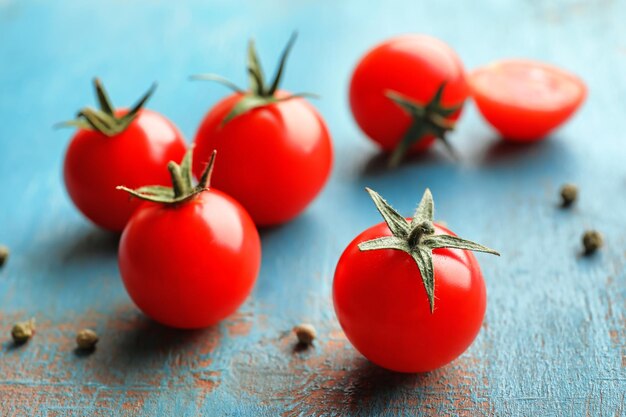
383	308
414	66
193	264
274	159
95	164
525	100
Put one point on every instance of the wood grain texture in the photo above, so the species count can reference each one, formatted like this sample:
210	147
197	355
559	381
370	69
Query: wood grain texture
553	343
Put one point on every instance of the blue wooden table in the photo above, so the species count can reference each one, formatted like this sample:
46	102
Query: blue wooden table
553	341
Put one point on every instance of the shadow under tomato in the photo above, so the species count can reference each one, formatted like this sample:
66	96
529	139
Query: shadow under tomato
372	378
89	244
367	382
148	337
141	346
378	163
73	255
499	150
76	244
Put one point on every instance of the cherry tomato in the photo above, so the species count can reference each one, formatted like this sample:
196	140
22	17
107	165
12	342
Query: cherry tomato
525	100
190	264
96	163
382	304
275	150
414	66
273	159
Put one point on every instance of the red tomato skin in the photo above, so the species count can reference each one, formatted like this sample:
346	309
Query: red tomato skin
414	66
274	160
520	124
95	164
382	306
191	265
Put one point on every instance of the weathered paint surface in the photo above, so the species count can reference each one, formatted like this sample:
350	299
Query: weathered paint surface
554	338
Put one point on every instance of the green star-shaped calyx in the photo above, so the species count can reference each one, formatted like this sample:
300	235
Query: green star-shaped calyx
182	188
104	119
259	93
417	238
431	118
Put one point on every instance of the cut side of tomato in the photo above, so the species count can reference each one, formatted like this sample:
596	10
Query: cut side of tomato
525	100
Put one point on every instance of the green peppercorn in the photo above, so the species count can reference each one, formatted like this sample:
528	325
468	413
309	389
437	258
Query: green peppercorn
569	193
23	331
86	339
592	241
4	255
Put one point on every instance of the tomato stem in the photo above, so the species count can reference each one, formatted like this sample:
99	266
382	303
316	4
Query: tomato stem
259	94
430	119
105	120
179	185
182	189
417	232
417	238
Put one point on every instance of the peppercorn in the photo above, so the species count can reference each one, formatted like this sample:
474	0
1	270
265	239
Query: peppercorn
305	333
592	241
86	339
569	193
4	255
23	331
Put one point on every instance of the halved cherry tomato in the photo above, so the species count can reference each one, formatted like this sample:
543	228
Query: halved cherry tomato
525	100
